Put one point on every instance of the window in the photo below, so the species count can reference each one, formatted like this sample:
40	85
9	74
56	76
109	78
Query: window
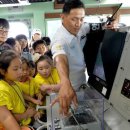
18	27
125	19
51	27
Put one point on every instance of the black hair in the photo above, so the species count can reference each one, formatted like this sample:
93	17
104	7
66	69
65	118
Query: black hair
5	59
4	23
44	57
21	36
72	4
47	40
24	60
31	64
11	41
38	42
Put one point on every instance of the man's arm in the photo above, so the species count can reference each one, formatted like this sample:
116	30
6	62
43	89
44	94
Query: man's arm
66	94
7	119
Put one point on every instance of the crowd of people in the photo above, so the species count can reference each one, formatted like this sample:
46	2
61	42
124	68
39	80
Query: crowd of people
31	70
27	75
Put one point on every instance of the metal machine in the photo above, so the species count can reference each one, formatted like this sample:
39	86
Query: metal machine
109	75
110	68
120	94
85	117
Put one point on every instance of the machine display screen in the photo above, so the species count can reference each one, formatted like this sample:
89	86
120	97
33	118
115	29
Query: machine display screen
106	61
98	68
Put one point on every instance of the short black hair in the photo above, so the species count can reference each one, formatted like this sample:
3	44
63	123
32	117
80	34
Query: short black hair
11	41
37	43
44	58
72	4
21	36
32	64
47	40
4	23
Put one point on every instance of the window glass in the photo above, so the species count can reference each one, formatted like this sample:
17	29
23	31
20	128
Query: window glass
17	28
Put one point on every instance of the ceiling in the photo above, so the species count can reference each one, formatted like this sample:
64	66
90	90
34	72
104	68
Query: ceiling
8	1
20	1
34	1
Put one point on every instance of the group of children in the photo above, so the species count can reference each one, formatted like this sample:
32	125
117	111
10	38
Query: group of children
19	91
23	85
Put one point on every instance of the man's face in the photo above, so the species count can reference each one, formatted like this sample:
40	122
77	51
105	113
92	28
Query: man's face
3	34
73	21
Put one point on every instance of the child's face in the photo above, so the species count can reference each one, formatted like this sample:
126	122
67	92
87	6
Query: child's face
25	71
23	43
17	47
40	48
44	68
14	71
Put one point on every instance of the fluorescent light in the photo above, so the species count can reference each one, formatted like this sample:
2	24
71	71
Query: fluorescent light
21	3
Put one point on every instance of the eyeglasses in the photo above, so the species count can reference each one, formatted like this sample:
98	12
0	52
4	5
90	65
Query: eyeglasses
2	31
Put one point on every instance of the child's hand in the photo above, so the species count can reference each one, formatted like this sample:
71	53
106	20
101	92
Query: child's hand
30	112
45	88
37	115
37	102
39	96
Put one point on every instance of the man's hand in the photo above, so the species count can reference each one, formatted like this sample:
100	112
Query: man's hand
112	25
65	97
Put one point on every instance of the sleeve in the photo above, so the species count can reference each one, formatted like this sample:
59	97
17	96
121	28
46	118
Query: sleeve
57	48
56	76
38	80
6	100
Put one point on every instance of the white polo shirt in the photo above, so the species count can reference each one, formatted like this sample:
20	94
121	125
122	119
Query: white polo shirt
65	43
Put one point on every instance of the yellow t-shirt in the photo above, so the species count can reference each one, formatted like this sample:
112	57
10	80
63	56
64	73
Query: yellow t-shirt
52	79
11	97
29	87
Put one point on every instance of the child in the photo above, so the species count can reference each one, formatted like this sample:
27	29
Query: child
36	35
28	85
23	42
39	48
47	75
47	42
32	69
11	97
14	44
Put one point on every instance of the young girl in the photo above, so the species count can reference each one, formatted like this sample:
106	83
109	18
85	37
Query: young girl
28	85
47	76
32	69
11	97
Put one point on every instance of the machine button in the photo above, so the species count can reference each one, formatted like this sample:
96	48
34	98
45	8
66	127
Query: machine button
56	120
57	127
49	127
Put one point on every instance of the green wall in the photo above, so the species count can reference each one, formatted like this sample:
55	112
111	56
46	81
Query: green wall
36	12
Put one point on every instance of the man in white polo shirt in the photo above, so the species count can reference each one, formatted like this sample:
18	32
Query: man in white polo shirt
66	48
70	46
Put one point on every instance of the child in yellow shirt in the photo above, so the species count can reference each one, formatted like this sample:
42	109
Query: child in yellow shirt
28	85
11	98
47	76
